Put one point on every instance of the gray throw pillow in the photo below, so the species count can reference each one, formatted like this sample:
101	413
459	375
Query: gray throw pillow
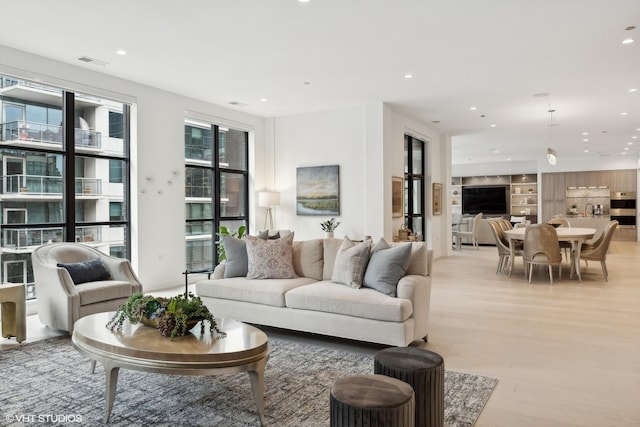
387	266
264	235
351	262
92	270
236	252
270	259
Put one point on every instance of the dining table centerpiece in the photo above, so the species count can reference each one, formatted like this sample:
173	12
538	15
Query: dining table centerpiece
173	316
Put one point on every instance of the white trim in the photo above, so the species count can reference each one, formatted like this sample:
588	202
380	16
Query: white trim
197	118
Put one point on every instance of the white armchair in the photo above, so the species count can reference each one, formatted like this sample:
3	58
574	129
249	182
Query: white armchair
60	301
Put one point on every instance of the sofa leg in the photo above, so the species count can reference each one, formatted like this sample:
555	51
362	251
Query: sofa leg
425	338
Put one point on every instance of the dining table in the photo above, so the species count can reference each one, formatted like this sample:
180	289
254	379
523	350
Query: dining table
575	235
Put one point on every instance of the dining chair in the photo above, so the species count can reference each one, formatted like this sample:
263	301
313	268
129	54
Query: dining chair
541	247
562	222
597	251
471	234
502	244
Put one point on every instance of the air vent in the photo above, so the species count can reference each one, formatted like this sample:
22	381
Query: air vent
92	61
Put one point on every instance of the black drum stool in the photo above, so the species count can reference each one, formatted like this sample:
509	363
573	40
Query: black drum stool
371	400
424	371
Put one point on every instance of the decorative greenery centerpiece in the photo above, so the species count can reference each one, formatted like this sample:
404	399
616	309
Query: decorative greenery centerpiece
171	316
330	225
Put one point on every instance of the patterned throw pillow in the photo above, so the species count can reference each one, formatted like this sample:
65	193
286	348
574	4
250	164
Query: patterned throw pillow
270	259
351	263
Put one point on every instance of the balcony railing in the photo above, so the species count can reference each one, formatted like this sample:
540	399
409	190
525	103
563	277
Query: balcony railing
48	185
25	238
41	132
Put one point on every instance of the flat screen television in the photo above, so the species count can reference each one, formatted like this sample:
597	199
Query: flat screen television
490	200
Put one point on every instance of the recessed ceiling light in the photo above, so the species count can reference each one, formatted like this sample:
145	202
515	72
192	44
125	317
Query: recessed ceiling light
263	99
626	148
473	108
508	159
633	89
586	150
585	140
624	113
303	1
629	143
628	40
408	76
634	137
121	52
623	153
493	126
585	133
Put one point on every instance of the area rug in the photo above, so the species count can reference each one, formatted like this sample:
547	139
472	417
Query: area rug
49	383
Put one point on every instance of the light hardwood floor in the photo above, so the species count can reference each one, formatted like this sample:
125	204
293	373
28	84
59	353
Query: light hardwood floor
564	355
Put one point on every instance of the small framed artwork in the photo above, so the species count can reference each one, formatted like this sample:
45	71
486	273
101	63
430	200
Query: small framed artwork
437	198
397	197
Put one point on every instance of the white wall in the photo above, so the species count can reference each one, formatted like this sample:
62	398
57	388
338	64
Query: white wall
367	142
158	243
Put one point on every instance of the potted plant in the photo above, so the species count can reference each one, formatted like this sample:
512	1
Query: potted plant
329	226
173	316
224	231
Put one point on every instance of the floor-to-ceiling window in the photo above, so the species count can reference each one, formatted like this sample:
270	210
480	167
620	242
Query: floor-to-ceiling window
414	184
65	173
216	189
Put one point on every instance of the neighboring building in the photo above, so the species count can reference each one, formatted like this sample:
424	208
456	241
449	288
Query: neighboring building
36	191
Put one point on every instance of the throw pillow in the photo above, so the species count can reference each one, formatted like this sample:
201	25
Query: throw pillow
264	235
236	253
387	266
92	270
351	262
270	259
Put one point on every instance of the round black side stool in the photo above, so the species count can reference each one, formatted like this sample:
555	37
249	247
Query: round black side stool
371	400
424	371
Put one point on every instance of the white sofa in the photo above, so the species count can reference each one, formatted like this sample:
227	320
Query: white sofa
313	303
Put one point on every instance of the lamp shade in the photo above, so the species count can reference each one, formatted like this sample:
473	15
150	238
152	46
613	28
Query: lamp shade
267	199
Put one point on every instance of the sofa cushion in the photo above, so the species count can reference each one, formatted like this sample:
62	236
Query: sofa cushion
418	264
308	258
103	290
86	271
330	250
266	292
351	263
270	259
235	251
386	267
336	298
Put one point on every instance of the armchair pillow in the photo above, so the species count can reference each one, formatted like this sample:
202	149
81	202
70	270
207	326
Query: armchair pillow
387	266
92	270
270	259
351	262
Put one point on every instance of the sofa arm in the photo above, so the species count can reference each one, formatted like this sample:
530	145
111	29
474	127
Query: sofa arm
417	289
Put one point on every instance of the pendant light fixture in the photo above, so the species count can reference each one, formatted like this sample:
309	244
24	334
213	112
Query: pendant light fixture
552	158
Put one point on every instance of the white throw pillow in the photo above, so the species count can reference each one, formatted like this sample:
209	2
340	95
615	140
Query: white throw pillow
270	259
351	263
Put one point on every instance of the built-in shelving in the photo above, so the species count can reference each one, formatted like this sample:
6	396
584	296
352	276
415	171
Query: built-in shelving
524	196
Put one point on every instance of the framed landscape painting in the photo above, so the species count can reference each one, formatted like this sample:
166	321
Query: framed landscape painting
318	190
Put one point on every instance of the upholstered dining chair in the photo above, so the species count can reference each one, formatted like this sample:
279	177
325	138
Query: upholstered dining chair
502	244
597	251
471	234
541	247
74	280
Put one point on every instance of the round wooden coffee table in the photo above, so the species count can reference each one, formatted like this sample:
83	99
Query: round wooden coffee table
141	348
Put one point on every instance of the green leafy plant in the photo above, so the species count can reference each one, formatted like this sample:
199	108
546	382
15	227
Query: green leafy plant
224	231
174	316
329	225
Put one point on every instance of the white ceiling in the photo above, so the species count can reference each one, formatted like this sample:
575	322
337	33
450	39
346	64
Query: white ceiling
328	54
